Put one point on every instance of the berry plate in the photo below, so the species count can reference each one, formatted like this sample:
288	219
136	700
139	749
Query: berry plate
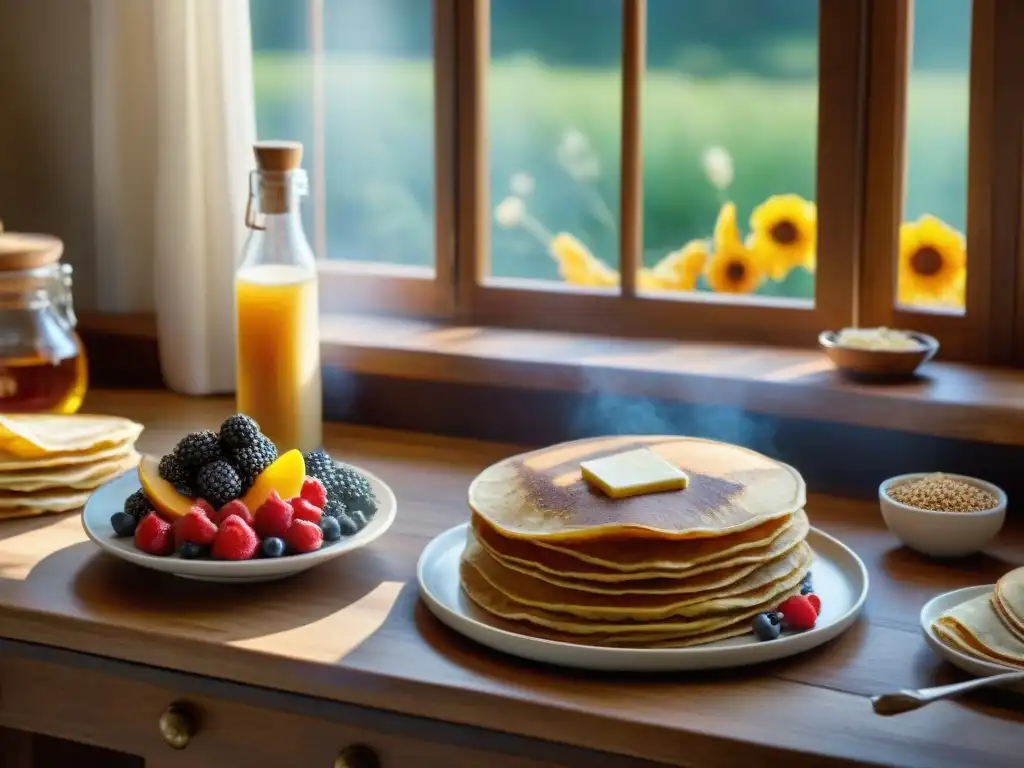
840	579
109	498
939	605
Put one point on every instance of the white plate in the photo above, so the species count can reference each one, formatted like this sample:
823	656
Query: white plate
939	605
109	498
840	579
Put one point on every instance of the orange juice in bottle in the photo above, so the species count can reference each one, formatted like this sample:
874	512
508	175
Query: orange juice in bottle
278	366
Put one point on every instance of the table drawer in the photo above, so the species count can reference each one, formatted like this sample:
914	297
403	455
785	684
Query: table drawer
125	715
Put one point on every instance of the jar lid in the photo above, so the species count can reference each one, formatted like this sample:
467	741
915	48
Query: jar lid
21	251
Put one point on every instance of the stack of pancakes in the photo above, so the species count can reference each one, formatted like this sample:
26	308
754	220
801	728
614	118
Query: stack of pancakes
989	627
51	463
550	556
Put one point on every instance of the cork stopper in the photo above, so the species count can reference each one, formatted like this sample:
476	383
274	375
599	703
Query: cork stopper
21	251
278	156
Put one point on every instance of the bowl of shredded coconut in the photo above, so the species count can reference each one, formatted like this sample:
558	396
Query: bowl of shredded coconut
878	353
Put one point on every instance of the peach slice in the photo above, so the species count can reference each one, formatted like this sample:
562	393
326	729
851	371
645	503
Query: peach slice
169	504
285	476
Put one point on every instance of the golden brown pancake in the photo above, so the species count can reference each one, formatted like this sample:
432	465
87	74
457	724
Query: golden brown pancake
72	477
9	461
976	626
691	601
568	572
542	494
1009	595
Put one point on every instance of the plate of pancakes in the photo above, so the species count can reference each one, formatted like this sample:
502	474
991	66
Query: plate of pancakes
979	629
551	569
51	463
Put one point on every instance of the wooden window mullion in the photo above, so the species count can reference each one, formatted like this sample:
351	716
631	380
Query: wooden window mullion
317	163
631	190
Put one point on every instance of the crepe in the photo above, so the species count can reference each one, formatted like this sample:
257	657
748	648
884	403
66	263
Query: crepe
72	477
10	462
495	602
553	567
48	501
1008	601
975	628
542	494
759	586
30	436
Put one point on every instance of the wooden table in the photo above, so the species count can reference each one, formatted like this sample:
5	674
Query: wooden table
290	673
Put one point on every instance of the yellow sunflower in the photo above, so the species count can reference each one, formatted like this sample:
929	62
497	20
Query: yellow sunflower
578	266
784	234
679	270
932	264
733	268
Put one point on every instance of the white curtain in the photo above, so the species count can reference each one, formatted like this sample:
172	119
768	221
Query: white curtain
173	126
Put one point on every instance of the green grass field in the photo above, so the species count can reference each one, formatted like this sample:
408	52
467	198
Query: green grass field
380	170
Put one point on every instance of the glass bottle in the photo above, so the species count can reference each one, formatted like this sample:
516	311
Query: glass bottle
278	363
42	362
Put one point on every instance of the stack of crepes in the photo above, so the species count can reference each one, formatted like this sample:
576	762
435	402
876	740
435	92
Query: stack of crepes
989	627
51	463
550	556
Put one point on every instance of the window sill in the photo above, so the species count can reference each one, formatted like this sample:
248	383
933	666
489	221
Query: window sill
949	400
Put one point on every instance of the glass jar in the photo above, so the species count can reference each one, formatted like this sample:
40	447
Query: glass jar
42	362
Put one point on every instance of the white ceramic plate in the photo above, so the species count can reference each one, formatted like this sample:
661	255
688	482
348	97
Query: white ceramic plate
840	579
109	498
939	605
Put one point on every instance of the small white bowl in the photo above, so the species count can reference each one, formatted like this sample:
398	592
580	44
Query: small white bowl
942	534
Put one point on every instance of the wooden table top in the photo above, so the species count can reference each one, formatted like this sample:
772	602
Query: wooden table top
354	630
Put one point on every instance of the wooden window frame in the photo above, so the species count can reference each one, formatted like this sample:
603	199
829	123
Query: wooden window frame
367	287
840	179
985	333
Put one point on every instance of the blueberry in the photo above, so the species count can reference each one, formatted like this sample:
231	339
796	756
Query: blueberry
272	547
123	524
346	525
191	551
331	528
806	589
808	581
767	626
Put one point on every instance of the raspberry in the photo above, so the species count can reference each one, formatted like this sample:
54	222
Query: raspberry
814	600
798	613
273	518
194	528
304	536
236	507
206	508
305	510
153	536
314	492
235	541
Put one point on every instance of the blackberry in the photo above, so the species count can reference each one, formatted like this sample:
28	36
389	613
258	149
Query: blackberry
354	490
238	431
218	483
137	505
173	471
253	459
197	449
334	508
320	465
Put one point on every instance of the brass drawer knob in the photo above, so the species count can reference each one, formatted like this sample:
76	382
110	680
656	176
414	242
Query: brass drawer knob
178	724
357	756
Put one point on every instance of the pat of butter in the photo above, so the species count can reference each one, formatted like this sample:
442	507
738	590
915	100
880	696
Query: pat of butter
633	473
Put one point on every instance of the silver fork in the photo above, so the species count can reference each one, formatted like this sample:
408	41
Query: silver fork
909	699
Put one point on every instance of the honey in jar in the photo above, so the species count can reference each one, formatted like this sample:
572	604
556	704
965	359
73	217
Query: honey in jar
42	362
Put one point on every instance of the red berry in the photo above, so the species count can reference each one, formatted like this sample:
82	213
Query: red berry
236	507
314	492
235	541
274	517
306	510
206	508
153	536
195	528
304	536
798	612
814	600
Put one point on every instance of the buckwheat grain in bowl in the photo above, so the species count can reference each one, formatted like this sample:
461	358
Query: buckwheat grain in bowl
942	515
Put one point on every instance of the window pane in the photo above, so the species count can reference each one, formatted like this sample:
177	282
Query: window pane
932	258
378	106
283	78
730	122
554	94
